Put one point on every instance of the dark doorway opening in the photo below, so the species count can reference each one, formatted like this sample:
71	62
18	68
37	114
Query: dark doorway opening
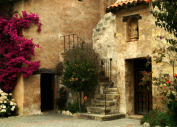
47	94
143	93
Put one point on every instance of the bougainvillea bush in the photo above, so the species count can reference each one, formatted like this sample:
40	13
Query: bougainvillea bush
7	105
16	50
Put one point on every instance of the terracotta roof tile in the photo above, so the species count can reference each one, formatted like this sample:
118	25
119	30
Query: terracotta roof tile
123	4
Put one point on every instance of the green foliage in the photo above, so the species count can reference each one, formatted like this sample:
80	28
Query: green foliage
61	101
155	117
79	77
83	55
81	69
74	108
172	105
167	16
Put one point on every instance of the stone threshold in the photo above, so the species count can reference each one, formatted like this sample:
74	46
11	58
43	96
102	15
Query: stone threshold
51	111
100	117
134	116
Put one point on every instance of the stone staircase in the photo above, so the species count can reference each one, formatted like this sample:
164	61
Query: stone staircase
96	111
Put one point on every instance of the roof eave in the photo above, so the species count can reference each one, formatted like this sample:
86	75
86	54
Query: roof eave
128	4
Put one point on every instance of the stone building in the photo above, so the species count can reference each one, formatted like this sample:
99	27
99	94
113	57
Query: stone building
124	31
127	34
36	93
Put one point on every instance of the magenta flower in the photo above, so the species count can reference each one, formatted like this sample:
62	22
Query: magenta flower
15	49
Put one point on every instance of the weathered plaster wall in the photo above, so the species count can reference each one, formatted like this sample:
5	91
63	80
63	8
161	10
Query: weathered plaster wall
130	50
32	96
129	86
122	50
58	18
18	93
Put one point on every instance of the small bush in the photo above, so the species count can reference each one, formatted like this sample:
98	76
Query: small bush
61	101
74	108
155	117
7	105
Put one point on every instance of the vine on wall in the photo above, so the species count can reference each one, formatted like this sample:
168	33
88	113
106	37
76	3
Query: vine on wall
15	50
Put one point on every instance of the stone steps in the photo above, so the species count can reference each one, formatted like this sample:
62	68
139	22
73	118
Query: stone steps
101	102
104	79
108	116
98	110
108	96
110	90
106	83
101	73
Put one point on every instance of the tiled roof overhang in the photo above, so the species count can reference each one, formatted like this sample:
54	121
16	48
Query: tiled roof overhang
124	4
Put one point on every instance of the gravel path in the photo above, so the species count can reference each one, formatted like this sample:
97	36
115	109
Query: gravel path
59	120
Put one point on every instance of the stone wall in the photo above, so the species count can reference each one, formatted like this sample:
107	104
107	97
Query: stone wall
104	43
104	40
121	51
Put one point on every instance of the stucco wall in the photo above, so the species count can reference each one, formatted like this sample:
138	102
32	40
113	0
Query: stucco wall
59	17
129	86
32	97
18	93
122	50
130	50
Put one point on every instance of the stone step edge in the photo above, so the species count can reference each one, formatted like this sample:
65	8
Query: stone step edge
100	117
109	91
107	94
103	99
100	100
106	83
99	107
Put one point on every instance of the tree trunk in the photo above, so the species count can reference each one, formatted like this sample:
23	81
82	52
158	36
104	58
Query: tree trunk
80	101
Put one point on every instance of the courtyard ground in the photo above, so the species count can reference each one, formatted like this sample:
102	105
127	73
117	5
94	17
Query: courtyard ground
59	120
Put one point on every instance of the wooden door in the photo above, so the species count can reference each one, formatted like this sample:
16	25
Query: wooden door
143	93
